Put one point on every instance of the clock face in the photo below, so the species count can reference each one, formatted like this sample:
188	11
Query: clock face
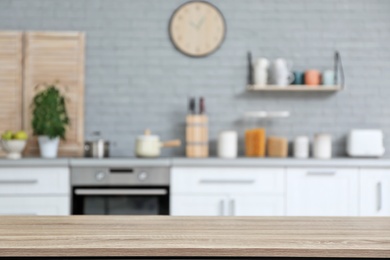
197	28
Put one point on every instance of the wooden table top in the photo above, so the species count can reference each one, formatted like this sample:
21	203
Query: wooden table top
194	236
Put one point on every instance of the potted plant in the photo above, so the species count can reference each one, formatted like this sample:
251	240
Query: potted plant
50	120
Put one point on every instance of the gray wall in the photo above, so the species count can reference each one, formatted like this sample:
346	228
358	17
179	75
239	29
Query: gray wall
136	79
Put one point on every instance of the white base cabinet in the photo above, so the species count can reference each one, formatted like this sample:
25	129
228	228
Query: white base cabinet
34	206
198	205
221	191
322	192
35	191
375	192
225	205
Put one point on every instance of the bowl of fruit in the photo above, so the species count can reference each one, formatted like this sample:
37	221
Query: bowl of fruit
13	143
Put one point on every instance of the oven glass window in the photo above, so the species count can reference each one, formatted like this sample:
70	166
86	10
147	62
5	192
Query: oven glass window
121	205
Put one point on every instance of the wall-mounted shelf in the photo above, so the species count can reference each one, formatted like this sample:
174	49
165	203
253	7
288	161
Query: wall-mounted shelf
339	80
303	88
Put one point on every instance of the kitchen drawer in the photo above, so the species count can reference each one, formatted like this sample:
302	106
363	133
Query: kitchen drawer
19	181
227	180
56	205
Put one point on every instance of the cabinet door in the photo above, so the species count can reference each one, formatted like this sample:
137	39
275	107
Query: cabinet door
56	58
322	192
226	180
255	205
29	181
10	81
35	205
198	205
375	192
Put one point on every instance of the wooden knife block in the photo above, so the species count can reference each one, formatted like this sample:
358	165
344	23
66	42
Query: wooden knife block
197	140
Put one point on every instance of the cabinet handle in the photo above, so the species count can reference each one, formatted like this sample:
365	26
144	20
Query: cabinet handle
227	181
222	208
379	196
232	207
27	181
321	173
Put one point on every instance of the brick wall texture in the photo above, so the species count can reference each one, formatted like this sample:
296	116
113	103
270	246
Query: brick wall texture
136	79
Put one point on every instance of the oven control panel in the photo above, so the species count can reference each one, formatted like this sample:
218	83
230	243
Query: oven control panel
120	176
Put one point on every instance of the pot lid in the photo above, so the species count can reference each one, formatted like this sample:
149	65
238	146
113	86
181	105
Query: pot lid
148	136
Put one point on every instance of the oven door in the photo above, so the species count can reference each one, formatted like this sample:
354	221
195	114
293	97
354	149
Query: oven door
120	201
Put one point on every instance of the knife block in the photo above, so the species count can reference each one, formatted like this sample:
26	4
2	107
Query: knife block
197	140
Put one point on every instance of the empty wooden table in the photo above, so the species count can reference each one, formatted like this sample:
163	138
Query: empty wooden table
194	237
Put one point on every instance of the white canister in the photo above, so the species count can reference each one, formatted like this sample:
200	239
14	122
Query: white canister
227	144
301	147
260	72
322	146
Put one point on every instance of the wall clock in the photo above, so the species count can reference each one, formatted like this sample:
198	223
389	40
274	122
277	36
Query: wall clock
197	28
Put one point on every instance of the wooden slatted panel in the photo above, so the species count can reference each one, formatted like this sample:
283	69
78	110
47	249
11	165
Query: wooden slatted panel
56	57
10	82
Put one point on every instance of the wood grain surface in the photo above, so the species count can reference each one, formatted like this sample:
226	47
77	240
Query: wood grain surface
10	82
195	236
56	57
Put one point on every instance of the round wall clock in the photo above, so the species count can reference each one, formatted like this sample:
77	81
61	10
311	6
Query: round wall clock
197	28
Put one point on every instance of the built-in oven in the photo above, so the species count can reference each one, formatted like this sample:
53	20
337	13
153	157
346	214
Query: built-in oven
120	191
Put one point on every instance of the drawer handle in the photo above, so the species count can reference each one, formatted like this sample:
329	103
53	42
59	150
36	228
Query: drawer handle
227	181
322	173
29	181
221	208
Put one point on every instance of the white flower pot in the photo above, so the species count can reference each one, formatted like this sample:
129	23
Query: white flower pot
48	147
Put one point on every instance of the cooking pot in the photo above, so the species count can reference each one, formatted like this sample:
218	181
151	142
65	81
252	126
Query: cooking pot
148	145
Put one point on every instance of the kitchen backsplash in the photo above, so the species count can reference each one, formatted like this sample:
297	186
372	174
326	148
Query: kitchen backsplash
136	79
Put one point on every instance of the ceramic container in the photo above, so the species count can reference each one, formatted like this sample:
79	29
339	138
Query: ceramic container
301	147
227	144
322	146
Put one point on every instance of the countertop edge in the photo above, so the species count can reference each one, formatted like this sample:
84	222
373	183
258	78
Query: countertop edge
196	162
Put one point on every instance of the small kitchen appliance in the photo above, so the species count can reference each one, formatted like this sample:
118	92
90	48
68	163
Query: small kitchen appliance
365	143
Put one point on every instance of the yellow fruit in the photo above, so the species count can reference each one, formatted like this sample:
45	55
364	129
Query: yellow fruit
20	135
7	135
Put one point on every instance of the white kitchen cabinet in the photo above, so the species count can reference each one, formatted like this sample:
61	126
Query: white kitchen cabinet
225	205
227	180
34	191
374	192
41	180
39	205
322	192
198	205
255	205
226	191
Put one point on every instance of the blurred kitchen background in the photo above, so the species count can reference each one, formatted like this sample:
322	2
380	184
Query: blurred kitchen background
136	79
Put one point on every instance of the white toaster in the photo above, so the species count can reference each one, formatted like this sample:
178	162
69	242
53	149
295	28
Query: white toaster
365	143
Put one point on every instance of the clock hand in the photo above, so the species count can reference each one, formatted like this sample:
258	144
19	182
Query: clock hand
193	24
200	23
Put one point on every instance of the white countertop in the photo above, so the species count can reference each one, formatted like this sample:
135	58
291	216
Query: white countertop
191	162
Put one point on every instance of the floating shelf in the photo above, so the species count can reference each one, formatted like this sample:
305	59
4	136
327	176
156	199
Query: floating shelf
303	88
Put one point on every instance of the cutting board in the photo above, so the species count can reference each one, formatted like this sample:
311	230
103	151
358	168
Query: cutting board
56	57
10	82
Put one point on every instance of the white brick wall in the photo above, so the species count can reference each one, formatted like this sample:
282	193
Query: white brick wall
136	79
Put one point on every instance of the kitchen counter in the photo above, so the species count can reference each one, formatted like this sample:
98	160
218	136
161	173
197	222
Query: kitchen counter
192	162
34	162
279	162
160	236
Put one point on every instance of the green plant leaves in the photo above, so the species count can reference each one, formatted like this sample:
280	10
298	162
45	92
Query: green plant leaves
49	113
